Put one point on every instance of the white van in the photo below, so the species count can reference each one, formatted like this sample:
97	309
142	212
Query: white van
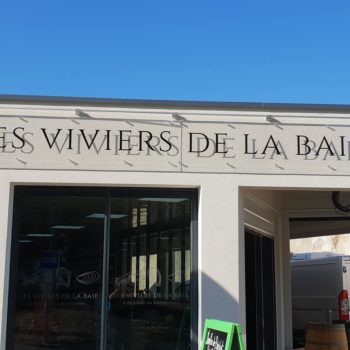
320	286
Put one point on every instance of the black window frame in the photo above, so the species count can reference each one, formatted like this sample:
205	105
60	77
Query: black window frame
108	193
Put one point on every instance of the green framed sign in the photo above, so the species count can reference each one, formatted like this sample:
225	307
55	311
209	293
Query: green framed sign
221	335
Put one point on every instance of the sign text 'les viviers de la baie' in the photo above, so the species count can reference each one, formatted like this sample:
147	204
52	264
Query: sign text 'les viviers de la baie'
208	147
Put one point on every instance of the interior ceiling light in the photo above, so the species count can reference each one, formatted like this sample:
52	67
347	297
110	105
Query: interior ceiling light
25	241
39	235
170	200
67	227
102	216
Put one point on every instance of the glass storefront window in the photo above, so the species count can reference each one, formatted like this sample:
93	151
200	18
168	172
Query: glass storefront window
149	296
100	269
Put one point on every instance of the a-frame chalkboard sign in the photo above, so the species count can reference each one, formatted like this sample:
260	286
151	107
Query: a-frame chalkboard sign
221	335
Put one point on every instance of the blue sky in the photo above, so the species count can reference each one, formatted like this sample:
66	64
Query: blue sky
262	51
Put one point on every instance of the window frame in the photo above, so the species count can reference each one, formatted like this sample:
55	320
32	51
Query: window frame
108	193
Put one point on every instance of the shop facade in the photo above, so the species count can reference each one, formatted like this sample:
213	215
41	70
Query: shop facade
126	224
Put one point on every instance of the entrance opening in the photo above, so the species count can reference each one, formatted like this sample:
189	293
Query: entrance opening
309	263
260	292
320	271
102	269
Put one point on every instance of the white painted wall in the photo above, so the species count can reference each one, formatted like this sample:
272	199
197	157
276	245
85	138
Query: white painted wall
221	271
219	287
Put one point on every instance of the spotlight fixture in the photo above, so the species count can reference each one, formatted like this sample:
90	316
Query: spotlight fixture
271	119
82	114
178	117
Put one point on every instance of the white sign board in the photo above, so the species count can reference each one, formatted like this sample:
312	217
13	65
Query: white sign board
201	147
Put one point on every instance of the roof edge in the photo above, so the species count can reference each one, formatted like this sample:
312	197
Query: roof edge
172	104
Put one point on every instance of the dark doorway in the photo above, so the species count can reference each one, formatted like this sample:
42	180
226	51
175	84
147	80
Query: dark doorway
260	292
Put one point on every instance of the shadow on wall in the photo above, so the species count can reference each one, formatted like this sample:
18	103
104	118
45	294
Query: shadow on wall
216	302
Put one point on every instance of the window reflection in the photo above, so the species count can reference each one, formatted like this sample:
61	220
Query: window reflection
150	275
59	274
